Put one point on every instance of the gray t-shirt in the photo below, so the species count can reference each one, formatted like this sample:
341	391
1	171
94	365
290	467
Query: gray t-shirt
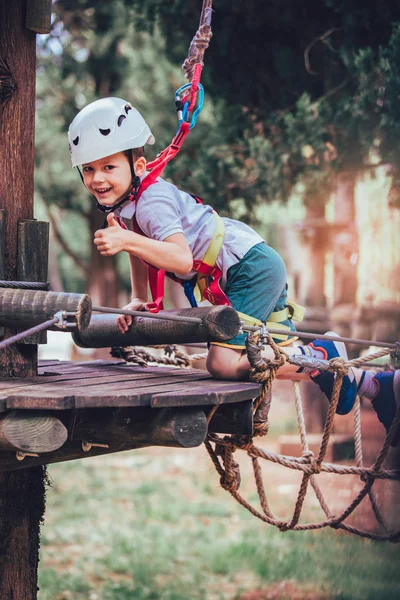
163	210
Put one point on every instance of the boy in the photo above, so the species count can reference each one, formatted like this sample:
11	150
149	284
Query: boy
167	228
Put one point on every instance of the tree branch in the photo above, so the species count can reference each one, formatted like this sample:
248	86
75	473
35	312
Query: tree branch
61	240
311	44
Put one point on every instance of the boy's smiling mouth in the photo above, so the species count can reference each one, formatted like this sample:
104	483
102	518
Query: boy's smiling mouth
103	190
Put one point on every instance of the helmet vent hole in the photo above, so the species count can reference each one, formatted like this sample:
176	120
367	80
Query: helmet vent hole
127	108
76	141
105	131
121	119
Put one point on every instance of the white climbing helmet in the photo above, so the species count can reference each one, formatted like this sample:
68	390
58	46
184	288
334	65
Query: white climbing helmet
105	127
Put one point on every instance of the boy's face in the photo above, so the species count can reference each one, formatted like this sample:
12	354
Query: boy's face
109	178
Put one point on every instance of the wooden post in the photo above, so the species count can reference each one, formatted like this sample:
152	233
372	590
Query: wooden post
17	121
21	492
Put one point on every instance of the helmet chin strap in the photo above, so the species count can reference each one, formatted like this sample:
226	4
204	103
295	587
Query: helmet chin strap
129	197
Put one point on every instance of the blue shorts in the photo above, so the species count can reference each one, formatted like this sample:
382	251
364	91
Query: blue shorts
256	286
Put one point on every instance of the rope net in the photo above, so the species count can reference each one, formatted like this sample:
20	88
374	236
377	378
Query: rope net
222	448
221	451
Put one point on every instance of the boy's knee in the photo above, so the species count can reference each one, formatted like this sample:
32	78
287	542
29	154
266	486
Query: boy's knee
222	363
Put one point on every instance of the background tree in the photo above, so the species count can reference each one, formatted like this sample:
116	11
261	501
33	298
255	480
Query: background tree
297	95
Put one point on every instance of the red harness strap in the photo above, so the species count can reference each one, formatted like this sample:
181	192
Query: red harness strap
211	289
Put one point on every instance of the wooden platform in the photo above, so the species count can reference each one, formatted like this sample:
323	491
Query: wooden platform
105	384
77	409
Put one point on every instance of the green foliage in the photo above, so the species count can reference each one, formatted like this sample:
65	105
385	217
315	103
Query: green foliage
294	94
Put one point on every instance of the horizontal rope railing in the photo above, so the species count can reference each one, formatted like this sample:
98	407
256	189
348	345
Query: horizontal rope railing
319	336
25	285
143	313
303	334
18	337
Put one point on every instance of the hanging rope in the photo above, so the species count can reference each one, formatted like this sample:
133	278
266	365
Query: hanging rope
200	42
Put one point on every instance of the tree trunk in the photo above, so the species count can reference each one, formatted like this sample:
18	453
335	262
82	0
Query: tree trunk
21	493
17	121
316	245
345	241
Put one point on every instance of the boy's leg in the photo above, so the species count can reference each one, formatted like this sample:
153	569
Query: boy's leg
225	363
327	350
383	389
232	363
255	286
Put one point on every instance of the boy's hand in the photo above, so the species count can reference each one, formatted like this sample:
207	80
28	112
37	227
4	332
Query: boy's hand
110	241
125	321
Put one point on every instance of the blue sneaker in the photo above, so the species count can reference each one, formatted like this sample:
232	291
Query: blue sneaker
387	399
325	380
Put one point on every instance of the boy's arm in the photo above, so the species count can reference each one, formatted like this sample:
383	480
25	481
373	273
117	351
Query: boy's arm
172	254
139	287
139	279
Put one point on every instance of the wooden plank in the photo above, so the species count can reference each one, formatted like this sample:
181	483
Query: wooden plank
9	387
118	384
170	394
93	386
230	392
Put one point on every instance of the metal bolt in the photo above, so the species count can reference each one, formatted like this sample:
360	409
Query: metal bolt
20	455
87	446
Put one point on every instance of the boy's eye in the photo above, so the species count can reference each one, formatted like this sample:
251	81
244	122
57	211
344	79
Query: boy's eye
87	169
109	167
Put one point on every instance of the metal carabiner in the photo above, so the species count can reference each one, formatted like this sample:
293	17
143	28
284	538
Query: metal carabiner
183	113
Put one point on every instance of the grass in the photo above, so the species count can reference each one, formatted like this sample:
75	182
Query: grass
154	524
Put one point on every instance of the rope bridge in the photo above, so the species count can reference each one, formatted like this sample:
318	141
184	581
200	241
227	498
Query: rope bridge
224	447
221	449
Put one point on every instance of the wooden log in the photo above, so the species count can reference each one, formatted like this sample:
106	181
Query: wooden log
234	418
26	308
184	427
32	260
31	431
218	324
38	16
117	431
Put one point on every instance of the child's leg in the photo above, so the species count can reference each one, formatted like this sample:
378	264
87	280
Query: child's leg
225	363
255	286
231	363
383	389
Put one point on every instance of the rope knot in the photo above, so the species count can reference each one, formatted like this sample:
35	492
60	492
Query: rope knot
310	457
230	480
260	428
339	366
396	352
